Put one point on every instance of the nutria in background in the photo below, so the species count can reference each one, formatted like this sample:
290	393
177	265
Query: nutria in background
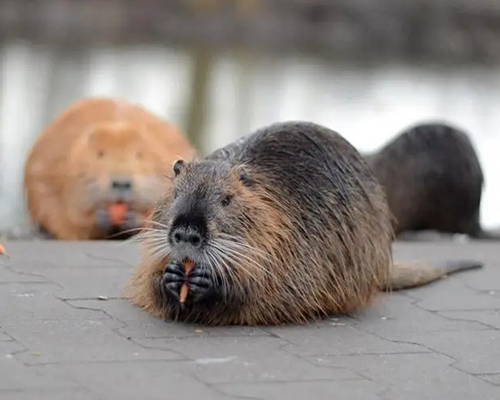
284	225
433	180
99	167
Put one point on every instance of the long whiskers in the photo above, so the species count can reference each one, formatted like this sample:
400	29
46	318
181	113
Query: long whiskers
227	274
222	271
233	254
244	251
155	241
235	258
231	241
159	224
132	230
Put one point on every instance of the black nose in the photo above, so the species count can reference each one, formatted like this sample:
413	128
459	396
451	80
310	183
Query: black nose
184	234
121	184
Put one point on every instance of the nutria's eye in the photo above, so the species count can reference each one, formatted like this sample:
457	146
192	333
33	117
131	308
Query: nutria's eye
100	154
227	200
139	155
178	165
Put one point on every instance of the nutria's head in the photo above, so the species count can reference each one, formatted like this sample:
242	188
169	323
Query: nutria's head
217	215
208	202
116	163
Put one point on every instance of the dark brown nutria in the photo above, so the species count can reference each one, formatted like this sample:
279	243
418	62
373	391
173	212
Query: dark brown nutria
433	180
284	225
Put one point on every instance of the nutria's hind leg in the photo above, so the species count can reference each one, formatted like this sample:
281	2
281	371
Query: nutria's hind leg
407	275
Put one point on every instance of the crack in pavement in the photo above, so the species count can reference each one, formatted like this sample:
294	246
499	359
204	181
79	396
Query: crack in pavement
126	325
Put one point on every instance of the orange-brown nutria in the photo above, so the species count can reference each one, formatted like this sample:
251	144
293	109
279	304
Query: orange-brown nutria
284	225
99	167
433	180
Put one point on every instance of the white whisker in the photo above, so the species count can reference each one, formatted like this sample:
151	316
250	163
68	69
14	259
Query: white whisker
159	224
235	252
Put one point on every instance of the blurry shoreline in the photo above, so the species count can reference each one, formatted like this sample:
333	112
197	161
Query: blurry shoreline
438	30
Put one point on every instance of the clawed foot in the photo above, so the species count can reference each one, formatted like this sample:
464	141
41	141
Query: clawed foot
198	281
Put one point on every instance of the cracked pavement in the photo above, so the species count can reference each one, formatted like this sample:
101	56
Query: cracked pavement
66	333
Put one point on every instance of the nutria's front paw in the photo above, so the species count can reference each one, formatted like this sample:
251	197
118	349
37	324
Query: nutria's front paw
200	284
173	278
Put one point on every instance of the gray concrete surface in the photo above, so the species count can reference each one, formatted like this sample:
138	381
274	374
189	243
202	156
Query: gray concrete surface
66	333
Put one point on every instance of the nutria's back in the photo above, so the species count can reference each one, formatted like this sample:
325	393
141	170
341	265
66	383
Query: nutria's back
433	179
307	233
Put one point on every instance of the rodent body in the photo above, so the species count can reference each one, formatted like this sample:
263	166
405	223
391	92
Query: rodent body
284	225
97	154
433	180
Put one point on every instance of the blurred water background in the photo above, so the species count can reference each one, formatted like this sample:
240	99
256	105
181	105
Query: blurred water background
220	69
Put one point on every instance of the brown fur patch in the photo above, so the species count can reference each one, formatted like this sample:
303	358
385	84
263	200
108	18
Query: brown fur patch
72	161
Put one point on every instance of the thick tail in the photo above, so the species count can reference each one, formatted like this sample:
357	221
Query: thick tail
406	275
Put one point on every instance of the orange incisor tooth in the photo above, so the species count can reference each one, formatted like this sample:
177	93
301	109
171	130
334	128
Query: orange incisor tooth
188	266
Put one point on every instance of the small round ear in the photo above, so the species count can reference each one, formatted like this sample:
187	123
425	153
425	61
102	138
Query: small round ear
178	166
244	177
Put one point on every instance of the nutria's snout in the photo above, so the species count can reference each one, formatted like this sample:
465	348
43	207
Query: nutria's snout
121	184
121	188
186	235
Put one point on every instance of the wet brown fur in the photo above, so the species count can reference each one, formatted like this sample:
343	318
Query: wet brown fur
65	161
311	259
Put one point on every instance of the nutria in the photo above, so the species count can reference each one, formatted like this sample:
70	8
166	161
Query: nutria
284	225
433	180
99	167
